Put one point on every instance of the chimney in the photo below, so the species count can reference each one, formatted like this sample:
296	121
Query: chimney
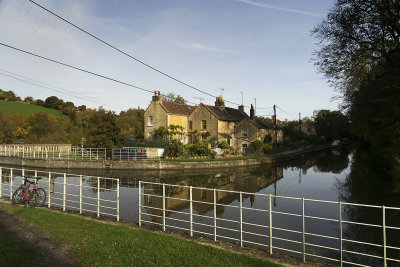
241	108
219	103
157	97
251	112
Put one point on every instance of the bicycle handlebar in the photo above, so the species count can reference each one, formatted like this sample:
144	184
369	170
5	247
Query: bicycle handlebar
29	182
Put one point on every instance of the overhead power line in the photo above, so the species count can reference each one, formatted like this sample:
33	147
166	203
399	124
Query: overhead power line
80	69
124	53
286	112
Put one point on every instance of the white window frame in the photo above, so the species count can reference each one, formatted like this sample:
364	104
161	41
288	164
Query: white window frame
150	121
244	133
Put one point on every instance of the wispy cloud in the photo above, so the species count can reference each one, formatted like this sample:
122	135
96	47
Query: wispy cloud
265	5
198	46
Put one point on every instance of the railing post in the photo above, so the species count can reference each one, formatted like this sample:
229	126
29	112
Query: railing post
11	182
270	224
1	179
384	235
163	206
191	210
23	174
118	200
140	203
98	197
304	234
80	194
215	215
64	190
49	190
241	218
341	234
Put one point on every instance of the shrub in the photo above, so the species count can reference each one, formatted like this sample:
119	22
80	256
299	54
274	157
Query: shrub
173	150
258	145
223	145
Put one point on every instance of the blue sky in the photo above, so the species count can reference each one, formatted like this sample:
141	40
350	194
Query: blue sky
259	47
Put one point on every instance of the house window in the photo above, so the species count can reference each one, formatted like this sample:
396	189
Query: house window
181	138
150	121
244	148
190	125
228	141
203	124
244	133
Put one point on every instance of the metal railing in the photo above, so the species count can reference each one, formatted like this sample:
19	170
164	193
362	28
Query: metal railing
52	152
89	194
172	206
131	153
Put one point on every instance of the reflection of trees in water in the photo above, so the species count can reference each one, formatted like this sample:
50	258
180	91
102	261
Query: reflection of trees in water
367	183
323	161
104	183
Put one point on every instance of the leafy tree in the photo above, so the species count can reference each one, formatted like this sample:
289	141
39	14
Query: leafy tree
171	97
28	99
331	124
39	102
69	109
161	133
8	95
6	130
131	123
51	102
353	38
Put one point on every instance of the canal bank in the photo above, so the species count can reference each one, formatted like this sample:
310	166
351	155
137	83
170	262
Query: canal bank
60	163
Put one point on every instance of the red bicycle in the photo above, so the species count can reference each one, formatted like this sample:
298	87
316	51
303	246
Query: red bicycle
32	196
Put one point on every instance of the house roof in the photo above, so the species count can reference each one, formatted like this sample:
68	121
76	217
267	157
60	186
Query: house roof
224	135
176	108
228	114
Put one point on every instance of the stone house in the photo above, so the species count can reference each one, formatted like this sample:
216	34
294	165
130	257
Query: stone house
228	124
162	113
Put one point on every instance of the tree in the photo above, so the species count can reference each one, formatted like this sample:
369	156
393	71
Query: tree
171	97
131	123
28	99
359	53
51	102
354	37
331	124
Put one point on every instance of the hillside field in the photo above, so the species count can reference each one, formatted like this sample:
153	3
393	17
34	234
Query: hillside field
13	107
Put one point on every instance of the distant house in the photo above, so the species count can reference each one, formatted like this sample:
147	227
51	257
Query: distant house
161	113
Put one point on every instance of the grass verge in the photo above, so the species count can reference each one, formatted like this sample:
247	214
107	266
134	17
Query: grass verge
14	252
13	107
101	244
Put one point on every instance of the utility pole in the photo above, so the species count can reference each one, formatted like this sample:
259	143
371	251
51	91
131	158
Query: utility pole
275	124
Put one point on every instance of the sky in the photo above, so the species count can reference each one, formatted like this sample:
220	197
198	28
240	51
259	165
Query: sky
260	49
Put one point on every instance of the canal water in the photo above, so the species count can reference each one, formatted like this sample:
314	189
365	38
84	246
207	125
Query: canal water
345	175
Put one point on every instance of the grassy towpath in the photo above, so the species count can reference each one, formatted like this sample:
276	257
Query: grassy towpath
96	243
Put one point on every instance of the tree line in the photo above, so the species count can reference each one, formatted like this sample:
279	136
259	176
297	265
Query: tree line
99	127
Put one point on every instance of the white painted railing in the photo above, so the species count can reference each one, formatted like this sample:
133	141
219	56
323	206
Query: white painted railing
131	153
68	191
185	219
52	152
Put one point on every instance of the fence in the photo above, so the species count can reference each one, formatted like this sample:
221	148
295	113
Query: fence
132	153
52	152
173	206
89	194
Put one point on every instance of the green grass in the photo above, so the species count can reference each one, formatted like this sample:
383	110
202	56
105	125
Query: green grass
14	252
102	244
14	107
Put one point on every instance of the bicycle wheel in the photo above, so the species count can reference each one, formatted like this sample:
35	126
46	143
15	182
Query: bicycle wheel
38	198
18	195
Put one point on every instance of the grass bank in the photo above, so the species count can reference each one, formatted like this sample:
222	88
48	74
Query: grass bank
101	244
14	107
